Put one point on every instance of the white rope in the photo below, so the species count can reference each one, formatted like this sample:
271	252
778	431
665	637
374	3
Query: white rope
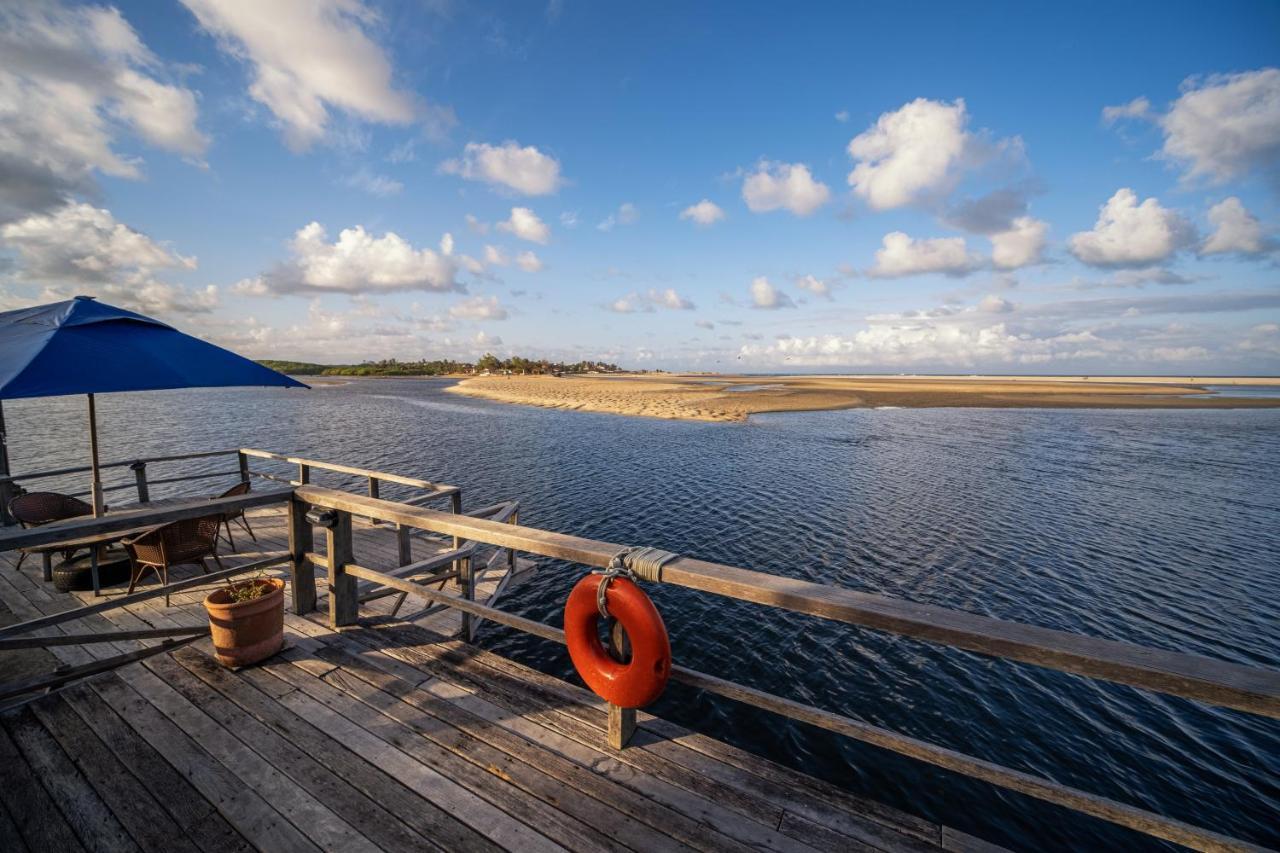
634	564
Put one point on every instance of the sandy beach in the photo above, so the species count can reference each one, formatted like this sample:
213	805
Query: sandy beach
733	398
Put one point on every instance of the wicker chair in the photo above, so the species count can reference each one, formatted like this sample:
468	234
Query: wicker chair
37	508
236	515
178	543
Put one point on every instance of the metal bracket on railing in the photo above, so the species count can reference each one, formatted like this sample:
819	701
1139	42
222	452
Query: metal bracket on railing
327	518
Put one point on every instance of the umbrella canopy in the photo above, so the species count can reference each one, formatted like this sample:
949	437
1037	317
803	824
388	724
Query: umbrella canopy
82	346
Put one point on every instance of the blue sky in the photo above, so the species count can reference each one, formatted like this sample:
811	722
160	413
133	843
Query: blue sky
875	186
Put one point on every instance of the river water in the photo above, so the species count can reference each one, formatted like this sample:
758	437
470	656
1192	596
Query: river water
1154	527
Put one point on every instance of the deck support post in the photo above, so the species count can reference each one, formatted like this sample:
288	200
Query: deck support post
244	465
466	580
301	570
344	603
374	489
139	469
622	725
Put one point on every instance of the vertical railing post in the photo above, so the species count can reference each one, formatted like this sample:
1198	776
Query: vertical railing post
622	721
373	493
8	491
511	552
139	470
243	459
344	606
466	582
455	505
301	570
304	473
404	545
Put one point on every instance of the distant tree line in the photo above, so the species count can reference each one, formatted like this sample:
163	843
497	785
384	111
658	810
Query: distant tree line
440	367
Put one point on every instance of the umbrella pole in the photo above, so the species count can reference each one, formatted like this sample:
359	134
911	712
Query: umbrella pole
96	488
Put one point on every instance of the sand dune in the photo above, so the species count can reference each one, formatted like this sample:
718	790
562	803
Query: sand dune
714	398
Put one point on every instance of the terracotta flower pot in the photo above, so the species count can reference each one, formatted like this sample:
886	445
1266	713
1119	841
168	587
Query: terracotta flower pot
246	632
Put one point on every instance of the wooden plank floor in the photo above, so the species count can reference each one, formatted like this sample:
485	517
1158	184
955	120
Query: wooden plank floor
390	736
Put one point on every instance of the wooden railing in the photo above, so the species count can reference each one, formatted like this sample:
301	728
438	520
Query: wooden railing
142	480
1202	679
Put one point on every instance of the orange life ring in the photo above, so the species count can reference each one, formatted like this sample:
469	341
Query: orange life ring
627	685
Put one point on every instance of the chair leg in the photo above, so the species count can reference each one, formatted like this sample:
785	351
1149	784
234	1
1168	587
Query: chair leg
230	541
217	560
164	579
204	566
244	522
22	555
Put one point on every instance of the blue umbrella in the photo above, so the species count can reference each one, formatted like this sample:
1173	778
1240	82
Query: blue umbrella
82	346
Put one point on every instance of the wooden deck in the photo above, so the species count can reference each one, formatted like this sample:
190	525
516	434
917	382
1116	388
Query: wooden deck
391	735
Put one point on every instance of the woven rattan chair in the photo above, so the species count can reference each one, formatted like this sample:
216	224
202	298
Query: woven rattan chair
178	543
37	508
236	515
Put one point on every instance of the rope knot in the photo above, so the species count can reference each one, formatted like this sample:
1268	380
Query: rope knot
638	563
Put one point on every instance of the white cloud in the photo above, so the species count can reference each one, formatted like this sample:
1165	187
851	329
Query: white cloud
1138	108
1236	231
357	262
495	256
309	56
569	219
479	308
765	296
1128	234
995	304
70	79
911	154
627	214
82	243
1226	126
373	184
783	185
529	262
704	213
526	225
816	286
900	255
475	226
634	302
1021	245
525	170
446	244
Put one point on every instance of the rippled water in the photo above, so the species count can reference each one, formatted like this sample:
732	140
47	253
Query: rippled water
1155	527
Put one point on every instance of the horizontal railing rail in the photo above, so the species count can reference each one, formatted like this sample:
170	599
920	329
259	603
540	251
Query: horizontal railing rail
1195	677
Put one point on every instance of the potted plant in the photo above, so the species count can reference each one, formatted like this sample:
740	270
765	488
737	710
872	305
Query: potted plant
246	620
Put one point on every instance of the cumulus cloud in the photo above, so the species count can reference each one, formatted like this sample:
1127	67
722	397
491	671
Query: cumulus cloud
1236	231
308	56
627	214
526	225
357	262
525	170
704	213
1226	126
651	300
529	262
767	297
900	255
917	153
70	80
479	308
1129	234
1021	245
789	186
495	256
816	286
80	242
